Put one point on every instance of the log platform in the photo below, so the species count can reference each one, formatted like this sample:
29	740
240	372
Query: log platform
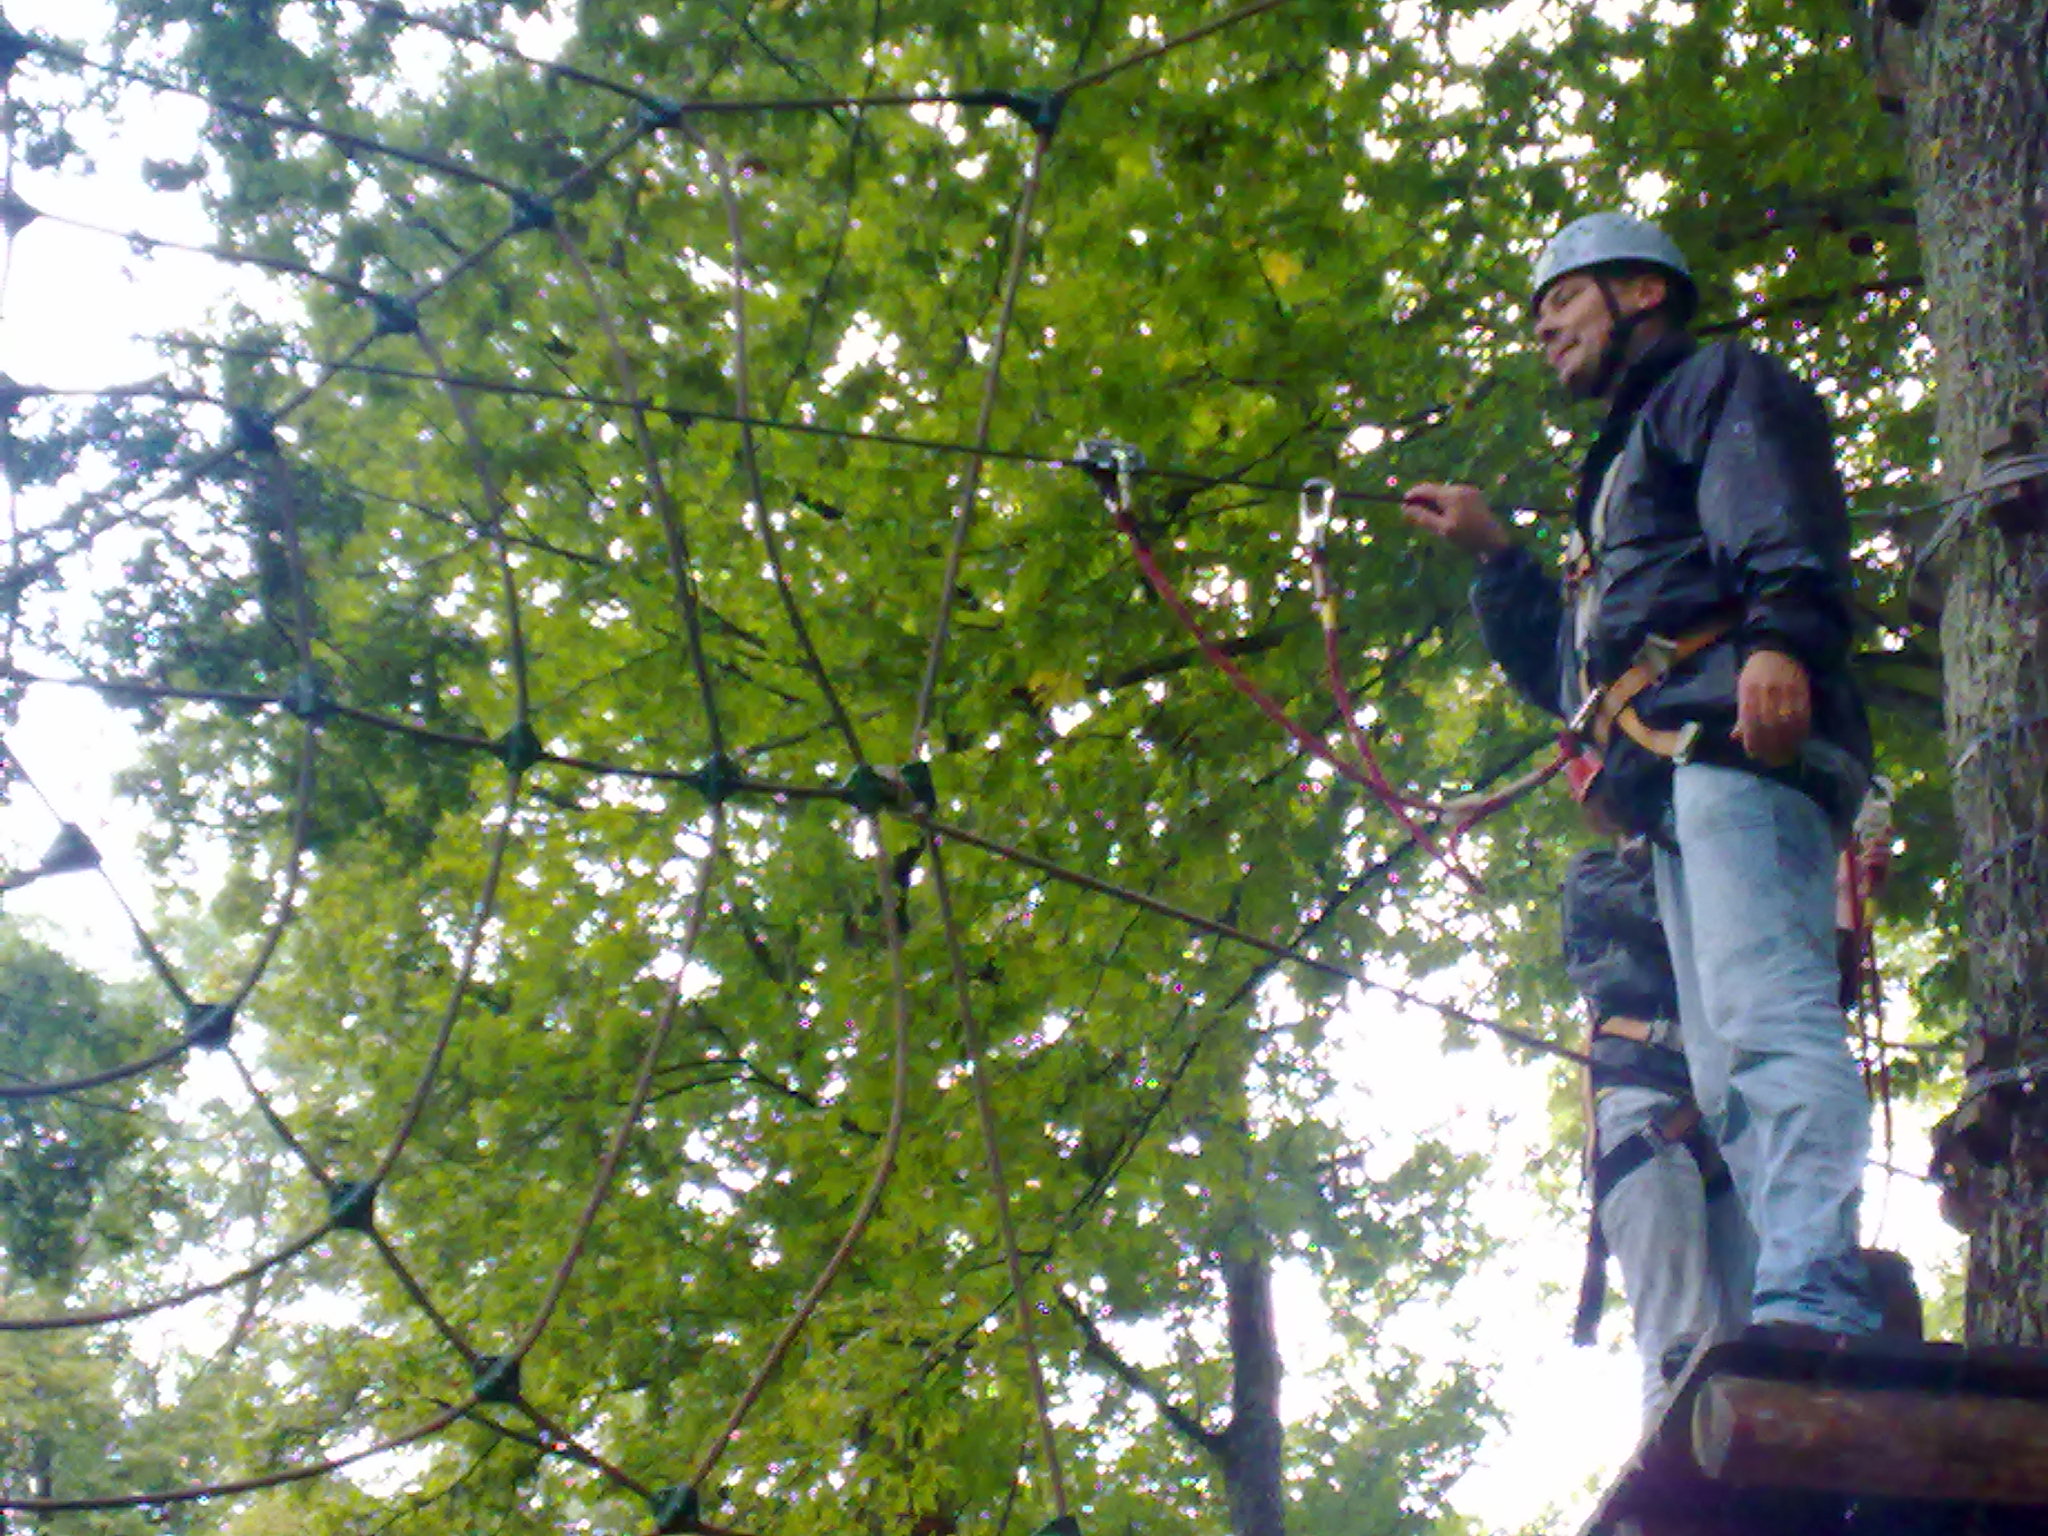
1885	1439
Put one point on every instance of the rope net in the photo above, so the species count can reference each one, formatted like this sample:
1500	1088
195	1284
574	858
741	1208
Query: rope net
494	577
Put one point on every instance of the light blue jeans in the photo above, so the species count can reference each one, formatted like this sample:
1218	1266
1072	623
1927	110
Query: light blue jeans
1685	1260
1748	904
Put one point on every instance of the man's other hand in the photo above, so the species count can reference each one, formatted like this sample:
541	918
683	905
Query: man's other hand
1458	515
1773	708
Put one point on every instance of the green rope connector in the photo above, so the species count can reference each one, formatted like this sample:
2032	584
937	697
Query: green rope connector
1037	110
16	215
1110	464
14	47
209	1026
395	316
866	790
496	1379
352	1205
254	430
531	213
677	1512
917	778
661	113
718	780
520	748
71	852
307	698
1063	1525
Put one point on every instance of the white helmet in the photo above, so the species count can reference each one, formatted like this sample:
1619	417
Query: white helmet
1606	239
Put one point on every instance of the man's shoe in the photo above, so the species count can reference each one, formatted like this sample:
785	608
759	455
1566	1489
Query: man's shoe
1893	1293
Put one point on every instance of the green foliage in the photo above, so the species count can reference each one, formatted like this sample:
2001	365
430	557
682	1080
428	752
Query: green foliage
67	1190
1243	253
78	1193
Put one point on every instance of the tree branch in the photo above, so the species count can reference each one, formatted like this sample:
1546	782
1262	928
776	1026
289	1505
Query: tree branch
1105	1354
1174	661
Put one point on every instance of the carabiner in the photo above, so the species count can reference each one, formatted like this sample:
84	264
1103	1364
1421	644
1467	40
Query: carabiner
1318	506
1111	465
1128	462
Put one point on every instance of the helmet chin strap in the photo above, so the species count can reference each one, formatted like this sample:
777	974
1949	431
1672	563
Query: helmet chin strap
1621	330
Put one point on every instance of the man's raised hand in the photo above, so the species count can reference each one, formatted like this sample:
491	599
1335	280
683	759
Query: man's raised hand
1458	515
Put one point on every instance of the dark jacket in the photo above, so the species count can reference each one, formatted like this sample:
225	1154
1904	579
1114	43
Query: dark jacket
1617	958
1614	947
1726	502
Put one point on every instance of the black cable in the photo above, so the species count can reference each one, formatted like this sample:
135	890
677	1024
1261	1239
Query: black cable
685	415
341	138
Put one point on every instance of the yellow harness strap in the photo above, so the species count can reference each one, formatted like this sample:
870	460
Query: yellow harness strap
1637	1030
1614	705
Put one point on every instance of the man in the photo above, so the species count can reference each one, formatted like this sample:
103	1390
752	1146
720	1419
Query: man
1662	1205
1705	649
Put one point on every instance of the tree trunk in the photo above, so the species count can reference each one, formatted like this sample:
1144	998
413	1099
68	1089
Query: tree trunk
1252	1445
1874	1442
1977	115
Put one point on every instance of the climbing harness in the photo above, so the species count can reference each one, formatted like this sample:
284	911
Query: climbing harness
1605	708
1634	1046
1611	706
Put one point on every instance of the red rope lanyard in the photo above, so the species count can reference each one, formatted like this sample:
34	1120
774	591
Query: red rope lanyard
1113	465
1464	812
1868	1004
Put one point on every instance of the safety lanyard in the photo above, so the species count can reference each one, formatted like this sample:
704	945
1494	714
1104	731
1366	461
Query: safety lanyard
1113	466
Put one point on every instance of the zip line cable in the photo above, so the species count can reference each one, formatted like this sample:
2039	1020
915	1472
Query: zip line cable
689	414
342	138
393	316
963	516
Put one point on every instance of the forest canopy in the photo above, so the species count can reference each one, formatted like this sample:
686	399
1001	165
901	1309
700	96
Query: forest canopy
695	766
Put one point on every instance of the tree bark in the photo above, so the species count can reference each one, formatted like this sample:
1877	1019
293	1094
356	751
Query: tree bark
1873	1442
1977	122
1251	1450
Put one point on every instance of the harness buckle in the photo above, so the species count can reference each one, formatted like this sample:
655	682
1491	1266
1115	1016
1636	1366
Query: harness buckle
1580	726
1578	560
1688	743
1656	656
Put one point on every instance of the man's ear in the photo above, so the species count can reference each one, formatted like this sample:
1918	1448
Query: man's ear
1641	291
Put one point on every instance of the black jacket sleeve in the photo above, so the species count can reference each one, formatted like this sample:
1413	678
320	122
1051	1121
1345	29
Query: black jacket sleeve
1521	618
1771	507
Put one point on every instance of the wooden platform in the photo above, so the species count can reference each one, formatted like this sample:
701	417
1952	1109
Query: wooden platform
1887	1439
